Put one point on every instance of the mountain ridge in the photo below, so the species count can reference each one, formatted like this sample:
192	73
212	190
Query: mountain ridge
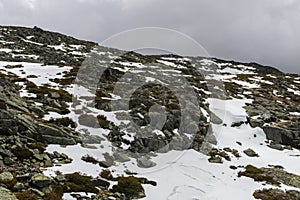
110	121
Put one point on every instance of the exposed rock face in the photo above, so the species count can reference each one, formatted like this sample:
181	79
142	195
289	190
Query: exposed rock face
41	43
17	119
283	136
157	121
7	194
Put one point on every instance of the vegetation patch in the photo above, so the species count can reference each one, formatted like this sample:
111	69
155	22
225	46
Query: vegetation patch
276	194
56	193
233	89
103	122
106	174
26	195
130	186
44	90
63	81
258	175
65	121
79	183
22	152
3	105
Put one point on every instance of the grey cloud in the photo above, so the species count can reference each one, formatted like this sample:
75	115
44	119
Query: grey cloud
265	31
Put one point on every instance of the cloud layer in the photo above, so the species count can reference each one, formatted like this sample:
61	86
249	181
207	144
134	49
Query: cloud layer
265	31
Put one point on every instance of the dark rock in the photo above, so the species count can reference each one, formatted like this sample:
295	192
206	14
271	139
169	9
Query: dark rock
88	120
59	140
8	161
40	180
251	153
276	146
215	159
100	182
3	105
237	124
50	131
54	95
281	136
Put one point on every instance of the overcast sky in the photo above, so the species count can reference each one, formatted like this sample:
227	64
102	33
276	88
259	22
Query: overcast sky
264	31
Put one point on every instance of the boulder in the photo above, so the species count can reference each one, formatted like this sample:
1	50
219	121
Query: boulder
144	162
281	136
121	157
40	180
91	139
251	153
276	146
59	140
88	120
6	177
7	194
215	159
50	131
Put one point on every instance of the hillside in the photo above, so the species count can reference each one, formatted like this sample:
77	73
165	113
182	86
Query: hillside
82	121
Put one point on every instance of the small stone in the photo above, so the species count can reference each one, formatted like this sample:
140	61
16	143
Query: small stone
237	124
215	159
19	187
56	154
233	167
64	156
121	157
251	153
54	95
39	157
276	146
227	149
48	163
144	162
239	143
36	191
60	178
67	161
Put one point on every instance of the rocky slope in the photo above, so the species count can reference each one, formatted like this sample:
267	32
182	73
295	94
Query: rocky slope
81	121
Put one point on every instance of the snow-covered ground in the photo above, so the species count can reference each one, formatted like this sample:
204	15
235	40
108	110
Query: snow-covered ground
188	174
180	174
